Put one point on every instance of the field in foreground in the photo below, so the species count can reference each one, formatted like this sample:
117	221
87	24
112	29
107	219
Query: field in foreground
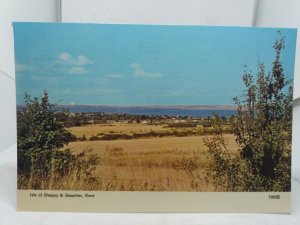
150	164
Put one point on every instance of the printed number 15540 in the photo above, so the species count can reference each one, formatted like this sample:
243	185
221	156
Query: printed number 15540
274	196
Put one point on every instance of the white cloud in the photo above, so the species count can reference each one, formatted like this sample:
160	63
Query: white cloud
23	67
138	71
83	60
67	59
64	57
73	65
77	70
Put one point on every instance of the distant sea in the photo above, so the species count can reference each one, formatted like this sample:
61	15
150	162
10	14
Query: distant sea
148	110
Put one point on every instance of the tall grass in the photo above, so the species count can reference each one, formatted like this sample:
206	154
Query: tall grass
160	164
75	172
169	170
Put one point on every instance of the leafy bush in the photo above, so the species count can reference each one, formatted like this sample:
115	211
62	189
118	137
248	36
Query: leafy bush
115	137
182	124
227	171
94	138
262	128
41	142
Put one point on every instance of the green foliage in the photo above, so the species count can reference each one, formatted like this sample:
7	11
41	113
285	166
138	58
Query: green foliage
80	166
41	139
39	135
262	128
227	170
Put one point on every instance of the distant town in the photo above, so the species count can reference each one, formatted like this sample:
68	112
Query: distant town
71	119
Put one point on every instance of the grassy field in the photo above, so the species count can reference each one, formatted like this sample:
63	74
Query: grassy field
94	130
148	164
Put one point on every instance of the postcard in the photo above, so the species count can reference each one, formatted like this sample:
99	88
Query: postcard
154	118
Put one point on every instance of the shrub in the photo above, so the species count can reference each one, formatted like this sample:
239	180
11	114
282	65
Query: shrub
94	138
41	146
115	137
226	171
262	128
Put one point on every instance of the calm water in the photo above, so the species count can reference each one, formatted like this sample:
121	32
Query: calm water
149	111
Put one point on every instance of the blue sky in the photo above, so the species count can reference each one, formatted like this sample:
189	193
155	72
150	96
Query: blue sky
141	65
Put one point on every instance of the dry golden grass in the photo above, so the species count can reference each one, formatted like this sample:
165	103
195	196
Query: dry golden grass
145	164
193	143
76	175
135	178
124	128
153	164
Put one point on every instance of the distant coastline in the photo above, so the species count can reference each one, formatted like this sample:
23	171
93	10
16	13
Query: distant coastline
190	107
179	110
153	110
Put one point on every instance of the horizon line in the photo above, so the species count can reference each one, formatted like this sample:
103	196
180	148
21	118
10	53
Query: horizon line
158	106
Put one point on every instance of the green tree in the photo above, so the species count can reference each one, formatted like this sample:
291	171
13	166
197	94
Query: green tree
226	171
40	137
262	128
